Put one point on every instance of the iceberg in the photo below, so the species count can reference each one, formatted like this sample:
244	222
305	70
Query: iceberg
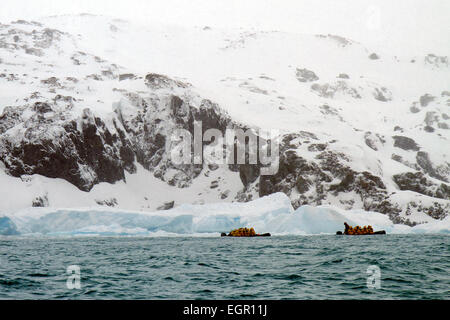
272	213
7	227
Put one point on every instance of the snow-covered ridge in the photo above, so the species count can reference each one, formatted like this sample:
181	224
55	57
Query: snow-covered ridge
360	129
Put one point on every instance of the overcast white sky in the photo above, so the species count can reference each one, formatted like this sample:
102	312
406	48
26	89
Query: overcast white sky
420	25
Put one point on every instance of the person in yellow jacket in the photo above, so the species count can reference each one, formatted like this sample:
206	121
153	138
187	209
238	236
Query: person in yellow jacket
243	232
349	230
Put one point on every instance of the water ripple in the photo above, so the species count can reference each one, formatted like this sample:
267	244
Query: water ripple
288	267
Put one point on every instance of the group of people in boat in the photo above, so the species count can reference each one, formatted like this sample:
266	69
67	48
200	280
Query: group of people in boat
357	230
243	232
349	230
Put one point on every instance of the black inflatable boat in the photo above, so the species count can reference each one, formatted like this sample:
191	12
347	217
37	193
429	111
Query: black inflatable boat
223	234
340	233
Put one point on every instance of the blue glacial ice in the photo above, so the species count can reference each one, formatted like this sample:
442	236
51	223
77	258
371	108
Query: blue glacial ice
7	227
272	214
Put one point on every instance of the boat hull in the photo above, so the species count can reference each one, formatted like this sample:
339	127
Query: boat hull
339	233
256	235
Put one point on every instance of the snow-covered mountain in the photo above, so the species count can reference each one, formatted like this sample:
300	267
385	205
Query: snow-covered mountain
87	104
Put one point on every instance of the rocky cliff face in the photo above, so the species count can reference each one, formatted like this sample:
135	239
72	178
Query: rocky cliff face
47	138
328	177
55	144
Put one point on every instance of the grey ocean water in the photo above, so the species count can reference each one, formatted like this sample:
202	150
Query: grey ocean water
284	267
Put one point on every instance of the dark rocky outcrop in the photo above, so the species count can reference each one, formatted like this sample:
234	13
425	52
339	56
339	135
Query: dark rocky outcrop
373	141
248	173
305	75
414	109
82	151
426	99
423	160
436	61
166	206
418	182
328	90
224	194
431	118
405	143
158	81
41	201
10	118
382	94
313	180
126	76
151	127
112	202
343	76
150	130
